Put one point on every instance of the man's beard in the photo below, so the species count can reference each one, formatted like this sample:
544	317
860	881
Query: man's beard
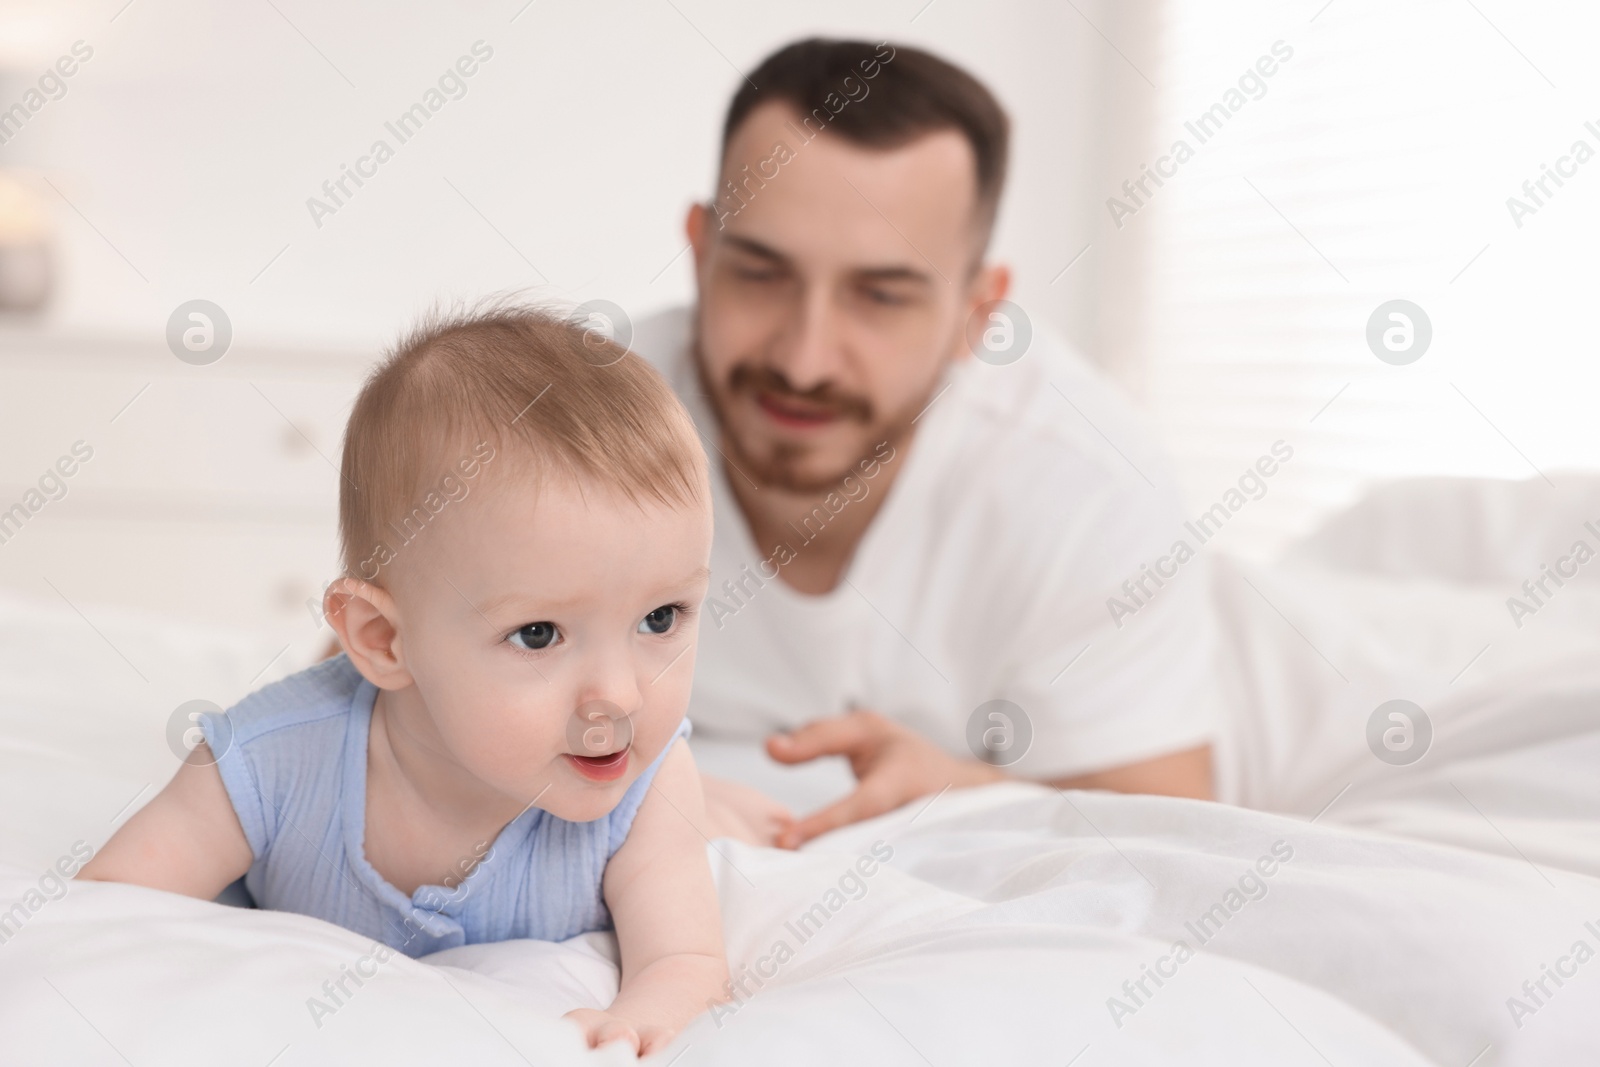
782	467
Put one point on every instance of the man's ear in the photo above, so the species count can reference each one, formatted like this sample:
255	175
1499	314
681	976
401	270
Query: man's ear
367	621
991	281
697	228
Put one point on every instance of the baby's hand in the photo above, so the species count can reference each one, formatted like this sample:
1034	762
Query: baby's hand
602	1028
742	813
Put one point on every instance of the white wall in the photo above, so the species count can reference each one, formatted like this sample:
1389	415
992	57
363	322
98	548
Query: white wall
196	133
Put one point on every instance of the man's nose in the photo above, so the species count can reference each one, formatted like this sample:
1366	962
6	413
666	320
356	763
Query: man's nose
809	352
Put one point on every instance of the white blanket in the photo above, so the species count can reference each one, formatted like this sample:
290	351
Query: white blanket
1515	715
1008	925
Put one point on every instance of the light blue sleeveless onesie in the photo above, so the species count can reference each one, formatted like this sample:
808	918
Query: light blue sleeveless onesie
293	757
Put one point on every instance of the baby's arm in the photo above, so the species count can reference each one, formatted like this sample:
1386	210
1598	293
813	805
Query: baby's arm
187	840
664	904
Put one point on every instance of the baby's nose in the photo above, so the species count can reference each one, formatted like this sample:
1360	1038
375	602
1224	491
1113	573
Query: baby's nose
599	727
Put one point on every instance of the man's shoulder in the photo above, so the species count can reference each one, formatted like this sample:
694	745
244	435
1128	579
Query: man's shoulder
1043	481
1052	422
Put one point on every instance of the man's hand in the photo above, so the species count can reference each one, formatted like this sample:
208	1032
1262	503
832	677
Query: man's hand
1177	774
893	765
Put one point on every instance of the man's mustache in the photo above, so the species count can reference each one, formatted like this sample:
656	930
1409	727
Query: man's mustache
754	380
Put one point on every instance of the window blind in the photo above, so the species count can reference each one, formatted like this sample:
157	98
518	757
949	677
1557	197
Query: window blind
1377	161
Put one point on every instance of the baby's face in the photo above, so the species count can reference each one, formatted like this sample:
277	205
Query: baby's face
551	634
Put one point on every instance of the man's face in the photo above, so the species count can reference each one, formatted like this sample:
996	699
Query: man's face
832	299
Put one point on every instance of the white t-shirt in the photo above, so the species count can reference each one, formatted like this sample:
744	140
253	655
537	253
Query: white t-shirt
1026	498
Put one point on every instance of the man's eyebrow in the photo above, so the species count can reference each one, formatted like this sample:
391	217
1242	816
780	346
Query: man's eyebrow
755	248
894	274
897	273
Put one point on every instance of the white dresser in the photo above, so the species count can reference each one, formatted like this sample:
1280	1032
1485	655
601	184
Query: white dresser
211	492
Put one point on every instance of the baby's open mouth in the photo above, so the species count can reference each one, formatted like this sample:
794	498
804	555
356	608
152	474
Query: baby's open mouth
601	768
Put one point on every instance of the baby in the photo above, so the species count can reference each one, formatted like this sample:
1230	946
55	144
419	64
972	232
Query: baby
526	524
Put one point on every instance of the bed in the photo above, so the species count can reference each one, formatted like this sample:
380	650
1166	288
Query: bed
1339	909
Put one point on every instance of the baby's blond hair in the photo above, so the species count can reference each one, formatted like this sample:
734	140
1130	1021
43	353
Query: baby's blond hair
521	379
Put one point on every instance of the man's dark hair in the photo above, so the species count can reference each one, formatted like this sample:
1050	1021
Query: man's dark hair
908	93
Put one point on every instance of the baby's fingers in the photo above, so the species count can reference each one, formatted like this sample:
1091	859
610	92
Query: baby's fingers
600	1028
613	1029
653	1039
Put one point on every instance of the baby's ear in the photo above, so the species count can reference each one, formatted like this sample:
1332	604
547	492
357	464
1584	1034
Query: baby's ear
366	620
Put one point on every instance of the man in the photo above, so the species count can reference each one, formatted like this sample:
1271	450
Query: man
905	534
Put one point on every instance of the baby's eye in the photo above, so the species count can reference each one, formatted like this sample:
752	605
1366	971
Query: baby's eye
534	636
660	620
